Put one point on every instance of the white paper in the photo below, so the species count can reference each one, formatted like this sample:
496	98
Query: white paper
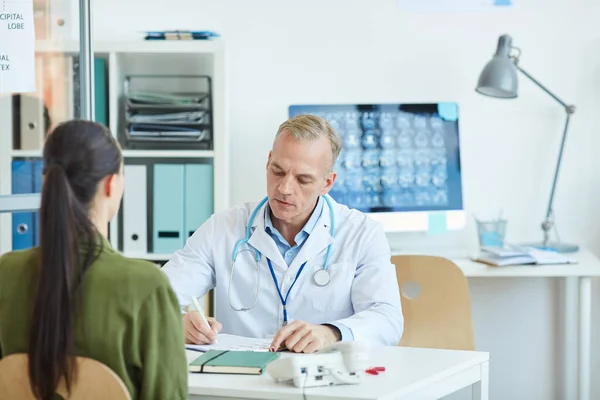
233	342
17	46
454	5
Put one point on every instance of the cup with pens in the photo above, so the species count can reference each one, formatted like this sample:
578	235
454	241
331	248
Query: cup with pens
491	233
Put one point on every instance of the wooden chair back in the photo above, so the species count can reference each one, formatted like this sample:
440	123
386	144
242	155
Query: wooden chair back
438	314
93	381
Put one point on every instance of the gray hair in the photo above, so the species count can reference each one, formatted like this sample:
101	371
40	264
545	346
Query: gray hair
311	127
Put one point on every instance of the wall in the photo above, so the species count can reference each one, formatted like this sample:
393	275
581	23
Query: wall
281	53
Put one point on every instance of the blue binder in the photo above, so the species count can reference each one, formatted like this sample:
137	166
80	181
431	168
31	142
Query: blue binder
22	222
168	227
37	188
199	196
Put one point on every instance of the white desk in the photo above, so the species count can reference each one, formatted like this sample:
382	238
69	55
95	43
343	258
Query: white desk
410	373
578	301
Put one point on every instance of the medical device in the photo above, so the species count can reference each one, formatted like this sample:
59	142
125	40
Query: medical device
338	364
400	163
321	276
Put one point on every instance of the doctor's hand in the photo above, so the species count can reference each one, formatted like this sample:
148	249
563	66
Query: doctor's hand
302	337
196	331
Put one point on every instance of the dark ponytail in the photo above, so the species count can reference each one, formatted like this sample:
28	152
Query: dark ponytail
77	156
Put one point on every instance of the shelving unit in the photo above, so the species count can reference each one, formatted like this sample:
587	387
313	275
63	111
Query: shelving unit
26	153
168	153
121	60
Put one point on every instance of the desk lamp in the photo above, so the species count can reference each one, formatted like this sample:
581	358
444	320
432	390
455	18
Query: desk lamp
499	79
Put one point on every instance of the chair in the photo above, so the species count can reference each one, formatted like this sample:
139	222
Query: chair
440	315
93	381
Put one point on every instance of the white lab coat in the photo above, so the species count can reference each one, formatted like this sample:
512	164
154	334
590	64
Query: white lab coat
363	292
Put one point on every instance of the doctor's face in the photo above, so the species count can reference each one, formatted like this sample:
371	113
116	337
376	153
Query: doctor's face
298	172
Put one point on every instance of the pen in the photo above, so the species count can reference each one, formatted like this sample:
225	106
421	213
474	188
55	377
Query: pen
200	311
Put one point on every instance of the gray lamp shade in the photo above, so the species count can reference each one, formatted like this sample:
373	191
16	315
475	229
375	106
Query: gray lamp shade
499	77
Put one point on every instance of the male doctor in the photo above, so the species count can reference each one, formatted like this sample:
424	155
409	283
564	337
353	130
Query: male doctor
296	294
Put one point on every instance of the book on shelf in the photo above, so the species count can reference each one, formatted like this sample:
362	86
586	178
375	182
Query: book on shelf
180	35
520	255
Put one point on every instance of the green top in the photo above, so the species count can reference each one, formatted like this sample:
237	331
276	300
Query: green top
130	320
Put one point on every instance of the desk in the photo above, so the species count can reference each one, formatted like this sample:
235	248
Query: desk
410	373
578	301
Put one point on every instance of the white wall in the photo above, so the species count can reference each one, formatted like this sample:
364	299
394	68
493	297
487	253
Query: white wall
315	51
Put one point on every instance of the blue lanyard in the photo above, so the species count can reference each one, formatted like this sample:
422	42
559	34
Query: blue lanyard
284	301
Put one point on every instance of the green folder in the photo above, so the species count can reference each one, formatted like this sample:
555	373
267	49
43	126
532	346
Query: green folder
232	362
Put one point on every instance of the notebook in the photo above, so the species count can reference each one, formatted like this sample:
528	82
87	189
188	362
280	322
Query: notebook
518	255
232	362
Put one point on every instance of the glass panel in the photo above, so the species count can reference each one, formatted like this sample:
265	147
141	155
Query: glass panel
27	118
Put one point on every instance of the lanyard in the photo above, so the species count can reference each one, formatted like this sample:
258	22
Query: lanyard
284	301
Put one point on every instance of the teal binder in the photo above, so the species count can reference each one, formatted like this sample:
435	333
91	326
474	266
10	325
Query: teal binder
100	89
168	208
199	196
100	100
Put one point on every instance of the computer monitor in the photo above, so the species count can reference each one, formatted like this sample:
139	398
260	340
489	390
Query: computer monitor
400	163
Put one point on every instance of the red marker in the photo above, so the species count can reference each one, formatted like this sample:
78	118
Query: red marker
375	370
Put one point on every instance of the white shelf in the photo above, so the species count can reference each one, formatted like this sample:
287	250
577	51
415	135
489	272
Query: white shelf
160	46
149	256
168	153
124	58
135	153
133	46
26	153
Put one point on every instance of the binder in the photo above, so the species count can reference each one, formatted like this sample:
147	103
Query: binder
168	208
32	124
100	99
37	188
135	224
22	222
100	89
199	196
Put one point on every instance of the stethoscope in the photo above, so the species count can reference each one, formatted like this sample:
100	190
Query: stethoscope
321	277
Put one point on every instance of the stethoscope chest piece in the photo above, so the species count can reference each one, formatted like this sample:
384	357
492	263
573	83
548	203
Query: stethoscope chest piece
321	277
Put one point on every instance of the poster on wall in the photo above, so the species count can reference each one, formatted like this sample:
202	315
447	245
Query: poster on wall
453	5
17	47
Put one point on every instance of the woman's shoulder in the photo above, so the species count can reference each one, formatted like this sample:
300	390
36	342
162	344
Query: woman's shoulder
18	269
126	280
132	268
17	259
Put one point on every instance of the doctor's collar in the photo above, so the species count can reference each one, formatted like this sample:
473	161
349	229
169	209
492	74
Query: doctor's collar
323	216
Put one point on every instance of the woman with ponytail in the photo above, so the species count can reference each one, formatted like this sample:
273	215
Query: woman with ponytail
76	296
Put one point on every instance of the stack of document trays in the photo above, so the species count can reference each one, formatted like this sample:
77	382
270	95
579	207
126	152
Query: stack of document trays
167	119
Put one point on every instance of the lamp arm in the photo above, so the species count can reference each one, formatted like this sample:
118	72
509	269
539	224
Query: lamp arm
544	88
569	110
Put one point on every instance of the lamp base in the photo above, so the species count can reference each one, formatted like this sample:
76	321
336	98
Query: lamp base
555	246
